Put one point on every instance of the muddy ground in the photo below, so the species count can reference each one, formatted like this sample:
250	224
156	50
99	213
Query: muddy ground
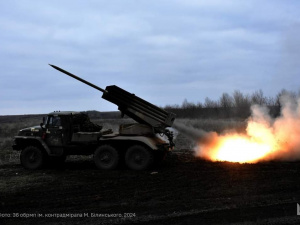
183	190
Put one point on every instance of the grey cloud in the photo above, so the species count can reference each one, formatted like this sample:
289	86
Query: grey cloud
202	48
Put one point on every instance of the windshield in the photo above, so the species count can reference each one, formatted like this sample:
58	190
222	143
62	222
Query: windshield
54	121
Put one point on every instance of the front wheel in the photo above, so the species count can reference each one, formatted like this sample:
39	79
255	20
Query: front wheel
106	157
32	158
138	157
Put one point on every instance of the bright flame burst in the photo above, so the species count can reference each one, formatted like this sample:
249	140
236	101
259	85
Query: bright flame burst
259	144
240	149
266	138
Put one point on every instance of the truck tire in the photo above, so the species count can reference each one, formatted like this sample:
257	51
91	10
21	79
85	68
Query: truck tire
106	157
138	157
32	158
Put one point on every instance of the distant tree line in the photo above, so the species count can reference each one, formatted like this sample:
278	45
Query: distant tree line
237	105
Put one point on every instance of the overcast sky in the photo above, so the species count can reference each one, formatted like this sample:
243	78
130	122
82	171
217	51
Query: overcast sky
163	51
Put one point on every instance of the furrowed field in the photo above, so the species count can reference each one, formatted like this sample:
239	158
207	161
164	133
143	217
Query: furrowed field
182	190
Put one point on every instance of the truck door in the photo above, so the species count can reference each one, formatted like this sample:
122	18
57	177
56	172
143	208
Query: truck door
54	131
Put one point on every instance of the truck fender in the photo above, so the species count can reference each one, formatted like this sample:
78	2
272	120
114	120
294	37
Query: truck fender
39	139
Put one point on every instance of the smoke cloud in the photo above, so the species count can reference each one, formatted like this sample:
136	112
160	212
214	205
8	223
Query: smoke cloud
266	138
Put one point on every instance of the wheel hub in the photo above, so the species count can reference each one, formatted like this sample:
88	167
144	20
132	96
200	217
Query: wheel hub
105	158
138	158
32	157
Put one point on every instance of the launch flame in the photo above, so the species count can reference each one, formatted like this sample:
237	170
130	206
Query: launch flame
239	149
265	139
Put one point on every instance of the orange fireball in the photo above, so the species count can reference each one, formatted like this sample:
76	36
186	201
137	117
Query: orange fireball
266	138
241	149
259	144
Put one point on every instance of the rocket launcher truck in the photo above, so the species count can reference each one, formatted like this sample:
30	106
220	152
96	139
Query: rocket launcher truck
64	133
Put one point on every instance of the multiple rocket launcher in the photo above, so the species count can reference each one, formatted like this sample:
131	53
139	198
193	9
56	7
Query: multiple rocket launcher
131	105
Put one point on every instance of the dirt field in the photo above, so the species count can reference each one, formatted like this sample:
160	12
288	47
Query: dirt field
183	190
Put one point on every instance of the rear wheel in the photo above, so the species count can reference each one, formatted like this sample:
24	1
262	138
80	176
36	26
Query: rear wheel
106	157
138	157
32	158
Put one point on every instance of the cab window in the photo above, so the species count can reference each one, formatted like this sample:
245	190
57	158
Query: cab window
54	121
